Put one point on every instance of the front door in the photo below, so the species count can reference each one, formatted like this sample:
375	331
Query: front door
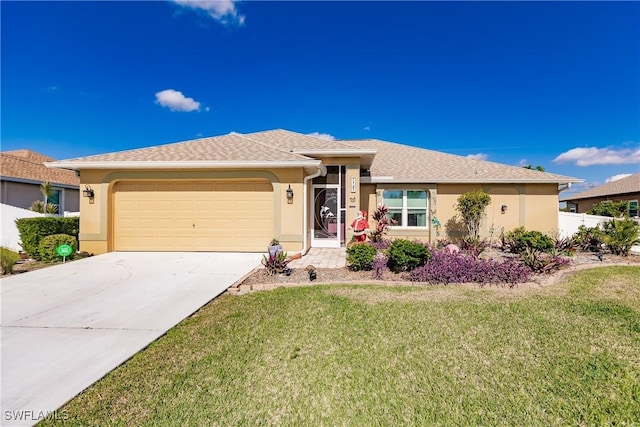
326	216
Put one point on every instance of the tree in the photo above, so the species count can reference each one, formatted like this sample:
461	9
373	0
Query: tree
47	191
610	208
538	168
471	207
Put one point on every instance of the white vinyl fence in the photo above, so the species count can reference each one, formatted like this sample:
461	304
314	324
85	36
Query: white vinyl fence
569	222
10	236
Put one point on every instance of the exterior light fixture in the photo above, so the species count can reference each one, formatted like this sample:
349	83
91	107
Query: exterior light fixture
503	208
290	194
87	192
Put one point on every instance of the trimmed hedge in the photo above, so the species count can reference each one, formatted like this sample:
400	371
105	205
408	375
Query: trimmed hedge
360	256
49	244
405	255
33	230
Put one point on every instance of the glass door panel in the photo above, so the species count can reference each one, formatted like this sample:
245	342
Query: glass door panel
326	229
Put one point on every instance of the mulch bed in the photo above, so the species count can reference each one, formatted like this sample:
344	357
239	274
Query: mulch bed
260	276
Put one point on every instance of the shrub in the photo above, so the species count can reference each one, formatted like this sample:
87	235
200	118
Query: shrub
620	235
49	244
588	238
542	262
32	230
380	266
405	255
276	262
474	246
471	207
360	256
610	208
8	258
519	239
445	267
382	223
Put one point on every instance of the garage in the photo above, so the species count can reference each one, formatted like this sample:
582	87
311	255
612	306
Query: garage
193	215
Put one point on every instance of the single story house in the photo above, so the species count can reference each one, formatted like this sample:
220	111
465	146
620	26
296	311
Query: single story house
236	192
625	189
23	171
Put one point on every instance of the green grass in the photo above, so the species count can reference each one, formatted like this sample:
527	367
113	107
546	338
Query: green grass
354	355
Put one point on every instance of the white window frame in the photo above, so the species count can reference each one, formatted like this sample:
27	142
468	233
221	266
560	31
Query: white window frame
406	209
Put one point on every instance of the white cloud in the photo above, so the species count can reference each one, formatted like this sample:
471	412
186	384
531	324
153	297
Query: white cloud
323	136
590	156
617	177
223	11
176	101
523	163
367	128
479	156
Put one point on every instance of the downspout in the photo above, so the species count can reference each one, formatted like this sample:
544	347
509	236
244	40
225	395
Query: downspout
566	187
322	170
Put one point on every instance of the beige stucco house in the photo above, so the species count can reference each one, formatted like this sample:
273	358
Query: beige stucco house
238	191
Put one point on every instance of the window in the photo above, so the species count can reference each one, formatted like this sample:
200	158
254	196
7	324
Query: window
633	208
407	207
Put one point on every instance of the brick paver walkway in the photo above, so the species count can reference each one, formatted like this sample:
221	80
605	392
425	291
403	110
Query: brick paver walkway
322	258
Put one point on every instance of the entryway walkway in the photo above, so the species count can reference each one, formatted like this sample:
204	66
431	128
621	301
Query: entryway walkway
322	258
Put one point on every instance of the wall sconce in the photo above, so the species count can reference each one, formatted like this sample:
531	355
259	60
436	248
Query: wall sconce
503	209
87	192
290	194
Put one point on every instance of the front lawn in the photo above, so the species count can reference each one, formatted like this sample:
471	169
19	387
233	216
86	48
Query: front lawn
568	354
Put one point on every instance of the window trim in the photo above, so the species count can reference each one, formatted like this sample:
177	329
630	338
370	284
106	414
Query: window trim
406	209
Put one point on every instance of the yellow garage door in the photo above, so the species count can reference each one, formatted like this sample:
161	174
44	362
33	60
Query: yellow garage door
193	216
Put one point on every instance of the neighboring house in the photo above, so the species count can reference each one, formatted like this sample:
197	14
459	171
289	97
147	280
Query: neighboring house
23	171
238	191
625	189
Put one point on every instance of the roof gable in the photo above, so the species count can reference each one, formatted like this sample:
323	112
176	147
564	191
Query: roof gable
29	166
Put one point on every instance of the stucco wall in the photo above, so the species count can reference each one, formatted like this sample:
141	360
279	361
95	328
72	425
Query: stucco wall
22	195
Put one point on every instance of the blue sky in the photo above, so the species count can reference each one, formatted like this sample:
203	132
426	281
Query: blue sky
543	83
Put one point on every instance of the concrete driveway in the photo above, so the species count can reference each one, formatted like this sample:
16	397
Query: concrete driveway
65	327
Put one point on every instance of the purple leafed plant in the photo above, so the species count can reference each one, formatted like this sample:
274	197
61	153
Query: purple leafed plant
380	266
445	267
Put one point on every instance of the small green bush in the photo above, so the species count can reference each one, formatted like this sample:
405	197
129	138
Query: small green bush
49	244
519	240
405	255
32	230
8	258
360	256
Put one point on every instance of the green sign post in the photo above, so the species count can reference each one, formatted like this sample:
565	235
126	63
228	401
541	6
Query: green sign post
64	251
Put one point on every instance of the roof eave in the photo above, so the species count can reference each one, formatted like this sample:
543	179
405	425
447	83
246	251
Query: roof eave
343	153
79	165
390	179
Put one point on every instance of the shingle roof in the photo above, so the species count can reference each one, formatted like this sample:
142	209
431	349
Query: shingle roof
630	184
293	141
231	147
29	165
398	162
410	164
